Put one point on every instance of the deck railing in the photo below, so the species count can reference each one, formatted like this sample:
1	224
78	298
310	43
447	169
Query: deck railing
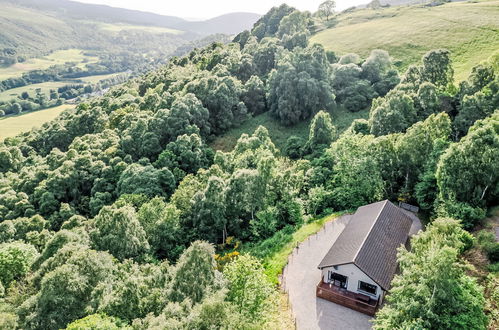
346	298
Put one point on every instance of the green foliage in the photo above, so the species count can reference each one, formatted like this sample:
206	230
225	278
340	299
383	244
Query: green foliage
433	290
146	180
136	291
96	322
437	68
467	173
395	113
322	132
195	274
118	230
161	223
356	180
15	261
299	87
268	24
249	288
67	281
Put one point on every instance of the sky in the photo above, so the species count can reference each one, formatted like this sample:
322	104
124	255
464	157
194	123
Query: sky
203	9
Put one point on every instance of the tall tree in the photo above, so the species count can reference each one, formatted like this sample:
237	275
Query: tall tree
433	290
326	9
117	230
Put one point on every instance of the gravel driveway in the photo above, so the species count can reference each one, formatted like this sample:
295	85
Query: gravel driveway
301	276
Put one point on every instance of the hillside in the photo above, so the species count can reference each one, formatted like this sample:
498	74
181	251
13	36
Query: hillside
232	23
118	215
470	30
31	28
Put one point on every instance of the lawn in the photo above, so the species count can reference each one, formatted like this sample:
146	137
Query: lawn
279	133
13	125
31	89
57	57
470	30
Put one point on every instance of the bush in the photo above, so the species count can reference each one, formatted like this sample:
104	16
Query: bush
96	322
15	261
493	252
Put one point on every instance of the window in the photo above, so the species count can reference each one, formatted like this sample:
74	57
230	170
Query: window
338	280
367	288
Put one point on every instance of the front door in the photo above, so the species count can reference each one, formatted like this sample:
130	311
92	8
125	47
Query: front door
338	280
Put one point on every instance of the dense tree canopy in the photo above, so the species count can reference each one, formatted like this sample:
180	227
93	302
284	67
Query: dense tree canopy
112	213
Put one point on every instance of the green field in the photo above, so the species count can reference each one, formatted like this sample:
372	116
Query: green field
97	78
13	125
128	27
31	89
278	133
470	30
57	57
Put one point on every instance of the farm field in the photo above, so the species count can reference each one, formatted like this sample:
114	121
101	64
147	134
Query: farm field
13	125
57	57
128	27
97	78
31	89
470	30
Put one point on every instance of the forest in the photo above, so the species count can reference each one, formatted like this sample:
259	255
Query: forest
119	215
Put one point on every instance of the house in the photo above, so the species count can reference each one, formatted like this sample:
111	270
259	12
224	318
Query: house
358	269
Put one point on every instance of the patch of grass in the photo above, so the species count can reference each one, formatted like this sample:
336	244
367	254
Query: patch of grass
57	57
129	27
274	251
470	30
13	125
279	133
10	94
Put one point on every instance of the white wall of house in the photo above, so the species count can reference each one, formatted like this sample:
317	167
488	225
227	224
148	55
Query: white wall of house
354	275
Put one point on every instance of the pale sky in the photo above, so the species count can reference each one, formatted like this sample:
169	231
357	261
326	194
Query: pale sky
203	9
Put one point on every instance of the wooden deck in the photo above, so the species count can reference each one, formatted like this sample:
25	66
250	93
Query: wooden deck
355	301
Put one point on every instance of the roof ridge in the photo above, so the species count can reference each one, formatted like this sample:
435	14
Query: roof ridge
369	232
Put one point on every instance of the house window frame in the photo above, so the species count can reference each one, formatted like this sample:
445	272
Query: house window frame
367	292
330	278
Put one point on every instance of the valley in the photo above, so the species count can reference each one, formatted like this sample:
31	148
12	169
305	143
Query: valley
301	169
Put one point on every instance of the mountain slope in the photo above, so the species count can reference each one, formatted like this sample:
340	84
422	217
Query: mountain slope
232	23
77	10
469	30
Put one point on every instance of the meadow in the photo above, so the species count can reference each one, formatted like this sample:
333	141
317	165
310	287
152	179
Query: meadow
470	30
12	125
117	27
41	63
45	87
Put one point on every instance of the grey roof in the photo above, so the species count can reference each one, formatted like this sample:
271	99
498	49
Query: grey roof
370	241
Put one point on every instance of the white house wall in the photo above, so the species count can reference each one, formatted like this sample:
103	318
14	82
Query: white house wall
354	275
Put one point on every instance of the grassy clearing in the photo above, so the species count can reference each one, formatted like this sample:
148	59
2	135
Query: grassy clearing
31	89
274	251
128	27
13	125
279	133
57	57
470	30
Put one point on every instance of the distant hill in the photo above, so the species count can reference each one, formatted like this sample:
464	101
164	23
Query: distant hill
32	28
470	30
232	23
103	13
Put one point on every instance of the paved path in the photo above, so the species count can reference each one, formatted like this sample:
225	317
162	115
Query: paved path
301	276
